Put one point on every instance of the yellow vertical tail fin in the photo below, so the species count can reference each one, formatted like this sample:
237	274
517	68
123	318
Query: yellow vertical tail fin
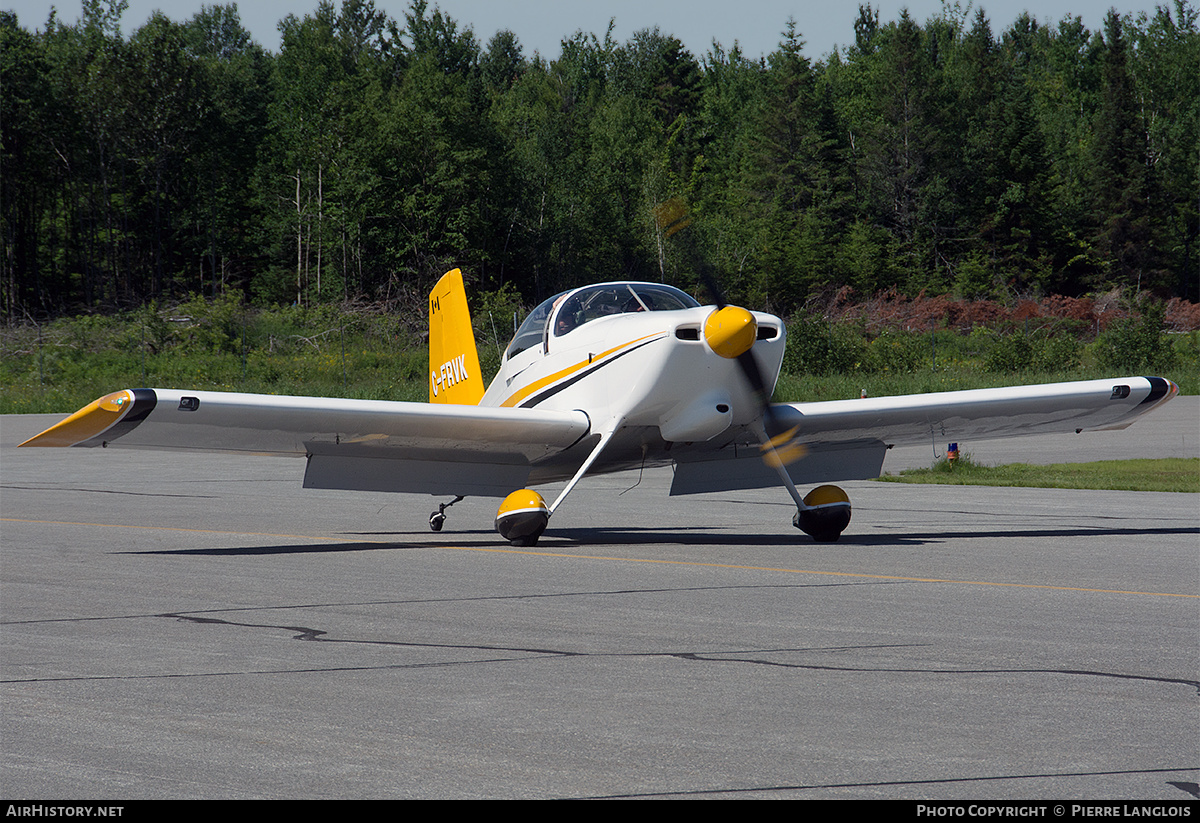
453	359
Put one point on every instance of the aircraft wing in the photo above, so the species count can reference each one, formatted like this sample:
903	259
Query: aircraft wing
981	414
847	439
368	445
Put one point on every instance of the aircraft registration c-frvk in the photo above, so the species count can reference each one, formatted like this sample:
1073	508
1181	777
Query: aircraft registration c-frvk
598	379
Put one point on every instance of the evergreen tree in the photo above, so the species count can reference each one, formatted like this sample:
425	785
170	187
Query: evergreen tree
369	155
1122	183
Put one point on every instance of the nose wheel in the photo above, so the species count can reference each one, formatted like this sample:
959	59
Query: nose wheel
437	519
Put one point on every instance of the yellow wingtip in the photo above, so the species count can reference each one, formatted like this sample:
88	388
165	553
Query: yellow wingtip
93	419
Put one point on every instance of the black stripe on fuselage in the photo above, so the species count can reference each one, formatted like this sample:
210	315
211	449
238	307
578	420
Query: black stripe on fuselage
571	381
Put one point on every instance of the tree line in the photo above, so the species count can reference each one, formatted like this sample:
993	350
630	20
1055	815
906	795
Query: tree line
370	154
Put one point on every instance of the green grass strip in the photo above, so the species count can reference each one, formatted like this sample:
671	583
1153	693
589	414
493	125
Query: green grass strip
1173	474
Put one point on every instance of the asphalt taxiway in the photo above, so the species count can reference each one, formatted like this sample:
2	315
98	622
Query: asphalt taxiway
200	626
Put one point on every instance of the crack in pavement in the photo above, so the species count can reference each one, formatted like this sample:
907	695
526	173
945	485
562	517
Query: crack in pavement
742	658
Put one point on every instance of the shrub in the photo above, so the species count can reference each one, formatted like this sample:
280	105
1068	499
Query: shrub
210	325
898	353
1058	353
1010	353
1135	343
818	346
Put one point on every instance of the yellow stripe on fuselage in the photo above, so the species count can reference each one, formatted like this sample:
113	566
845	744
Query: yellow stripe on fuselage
558	376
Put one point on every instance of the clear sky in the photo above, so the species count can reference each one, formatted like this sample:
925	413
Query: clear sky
540	25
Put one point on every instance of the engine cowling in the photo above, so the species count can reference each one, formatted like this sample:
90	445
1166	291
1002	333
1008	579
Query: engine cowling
701	419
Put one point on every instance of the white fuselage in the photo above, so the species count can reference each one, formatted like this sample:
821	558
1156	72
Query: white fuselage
650	373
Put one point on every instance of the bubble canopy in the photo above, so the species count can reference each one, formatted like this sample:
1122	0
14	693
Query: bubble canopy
568	310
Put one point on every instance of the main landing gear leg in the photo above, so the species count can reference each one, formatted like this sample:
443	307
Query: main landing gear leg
438	518
524	514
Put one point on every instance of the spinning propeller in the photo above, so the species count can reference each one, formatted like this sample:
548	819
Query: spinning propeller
730	332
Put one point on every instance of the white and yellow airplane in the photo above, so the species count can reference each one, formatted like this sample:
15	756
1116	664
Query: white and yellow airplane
598	379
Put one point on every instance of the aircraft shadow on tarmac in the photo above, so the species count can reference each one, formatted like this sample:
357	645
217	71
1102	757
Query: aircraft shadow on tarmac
699	536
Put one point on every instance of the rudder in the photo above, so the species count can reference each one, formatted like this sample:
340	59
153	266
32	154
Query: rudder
453	359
